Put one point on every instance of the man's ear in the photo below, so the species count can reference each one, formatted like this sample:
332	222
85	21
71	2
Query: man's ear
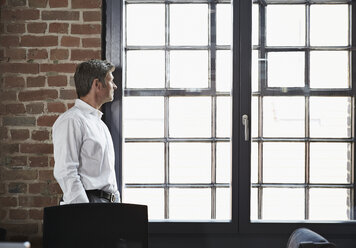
96	84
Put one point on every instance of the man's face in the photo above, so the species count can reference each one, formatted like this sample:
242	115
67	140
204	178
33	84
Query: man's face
108	91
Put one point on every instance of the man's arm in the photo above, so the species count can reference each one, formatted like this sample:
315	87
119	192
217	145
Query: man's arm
67	141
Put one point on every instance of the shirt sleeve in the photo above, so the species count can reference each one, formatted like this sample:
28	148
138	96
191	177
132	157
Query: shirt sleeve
67	140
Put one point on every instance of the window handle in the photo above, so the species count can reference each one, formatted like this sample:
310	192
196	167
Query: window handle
246	126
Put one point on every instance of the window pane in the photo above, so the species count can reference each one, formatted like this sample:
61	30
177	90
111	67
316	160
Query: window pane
143	117
223	70
330	163
223	162
326	31
153	198
190	204
223	116
286	69
144	163
285	25
254	162
283	204
189	69
190	162
223	204
323	208
189	24
254	116
329	69
282	158
223	24
255	24
254	71
254	204
145	69
283	116
330	117
190	116
147	30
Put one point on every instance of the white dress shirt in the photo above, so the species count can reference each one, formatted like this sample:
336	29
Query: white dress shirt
83	153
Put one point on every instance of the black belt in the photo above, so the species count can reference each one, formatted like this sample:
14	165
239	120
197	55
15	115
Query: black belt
102	194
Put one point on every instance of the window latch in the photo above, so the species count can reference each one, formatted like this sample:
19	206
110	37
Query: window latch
246	126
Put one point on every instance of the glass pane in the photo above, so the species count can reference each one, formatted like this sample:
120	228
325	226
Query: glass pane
330	117
223	116
326	31
223	204
190	204
223	162
285	25
223	70
330	163
144	163
254	116
254	162
189	24
254	71
153	198
190	162
143	117
254	204
283	204
190	116
286	69
189	69
323	208
145	69
329	69
255	24
147	30
283	116
281	158
223	24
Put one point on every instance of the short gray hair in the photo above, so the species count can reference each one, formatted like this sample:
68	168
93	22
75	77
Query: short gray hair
89	70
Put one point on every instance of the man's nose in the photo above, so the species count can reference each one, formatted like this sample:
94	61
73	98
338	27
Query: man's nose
114	86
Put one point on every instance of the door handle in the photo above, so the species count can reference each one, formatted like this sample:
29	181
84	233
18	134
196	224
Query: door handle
245	123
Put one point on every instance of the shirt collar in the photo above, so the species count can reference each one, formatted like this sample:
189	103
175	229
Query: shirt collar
87	108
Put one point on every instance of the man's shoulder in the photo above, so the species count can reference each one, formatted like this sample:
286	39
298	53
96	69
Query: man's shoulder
73	114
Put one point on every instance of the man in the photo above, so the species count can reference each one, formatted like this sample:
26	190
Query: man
83	148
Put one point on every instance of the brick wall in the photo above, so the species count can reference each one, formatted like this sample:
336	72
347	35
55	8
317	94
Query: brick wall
41	42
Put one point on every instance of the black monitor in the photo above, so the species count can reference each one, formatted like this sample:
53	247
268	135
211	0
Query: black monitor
107	225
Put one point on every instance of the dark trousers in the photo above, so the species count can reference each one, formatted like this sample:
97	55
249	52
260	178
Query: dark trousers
95	199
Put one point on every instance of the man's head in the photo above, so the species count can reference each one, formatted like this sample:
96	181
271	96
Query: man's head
89	71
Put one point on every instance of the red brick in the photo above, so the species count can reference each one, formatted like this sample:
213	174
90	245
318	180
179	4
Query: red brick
86	29
23	229
69	105
19	121
60	15
20	175
46	175
56	107
86	4
8	96
46	120
39	41
69	41
16	3
65	68
3	133
9	41
51	162
38	3
18	214
68	94
19	14
38	27
19	68
38	162
35	108
92	16
16	108
40	135
85	54
45	188
8	201
37	95
36	81
9	149
59	54
37	201
37	54
2	188
20	134
3	214
16	188
61	28
36	214
16	161
14	82
15	53
91	42
36	148
57	80
15	28
58	4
